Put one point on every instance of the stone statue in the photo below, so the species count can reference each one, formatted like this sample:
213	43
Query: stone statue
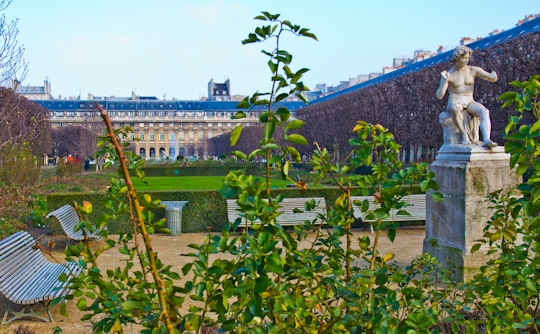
467	115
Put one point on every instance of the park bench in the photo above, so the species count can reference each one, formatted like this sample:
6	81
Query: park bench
417	211
28	278
68	218
289	217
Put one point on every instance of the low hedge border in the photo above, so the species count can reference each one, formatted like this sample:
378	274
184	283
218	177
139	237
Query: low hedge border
206	208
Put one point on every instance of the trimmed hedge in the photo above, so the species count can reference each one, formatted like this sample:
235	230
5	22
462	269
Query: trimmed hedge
206	208
195	171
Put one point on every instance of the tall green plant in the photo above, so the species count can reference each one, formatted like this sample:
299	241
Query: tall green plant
507	289
268	279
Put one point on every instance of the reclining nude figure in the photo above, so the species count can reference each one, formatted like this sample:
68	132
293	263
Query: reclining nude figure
461	105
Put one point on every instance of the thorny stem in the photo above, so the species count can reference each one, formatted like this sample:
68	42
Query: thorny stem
86	240
206	277
135	232
151	255
38	245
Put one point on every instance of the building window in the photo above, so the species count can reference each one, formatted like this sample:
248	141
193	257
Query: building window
131	124
172	152
161	136
219	133
209	135
141	135
181	125
142	152
141	125
170	113
59	124
161	125
190	125
171	136
210	125
141	113
181	136
181	114
200	124
152	152
132	113
201	135
191	135
220	125
229	124
131	136
151	125
162	113
151	136
112	113
121	124
200	114
171	125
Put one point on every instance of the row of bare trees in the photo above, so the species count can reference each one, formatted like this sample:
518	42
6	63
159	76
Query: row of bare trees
407	105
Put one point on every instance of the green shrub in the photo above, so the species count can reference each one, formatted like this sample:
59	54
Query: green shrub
206	208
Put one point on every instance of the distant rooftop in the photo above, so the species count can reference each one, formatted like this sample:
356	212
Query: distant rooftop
533	25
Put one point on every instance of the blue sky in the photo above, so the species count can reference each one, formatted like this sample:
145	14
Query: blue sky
175	47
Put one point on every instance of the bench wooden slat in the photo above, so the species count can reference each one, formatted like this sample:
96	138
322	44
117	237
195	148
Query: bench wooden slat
417	211
26	276
287	206
67	217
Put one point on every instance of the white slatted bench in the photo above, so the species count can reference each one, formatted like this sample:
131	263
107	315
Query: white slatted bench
67	217
417	211
288	205
28	278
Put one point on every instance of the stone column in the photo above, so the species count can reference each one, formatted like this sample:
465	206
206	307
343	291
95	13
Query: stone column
466	175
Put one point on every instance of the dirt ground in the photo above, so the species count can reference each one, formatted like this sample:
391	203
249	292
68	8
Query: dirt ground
407	245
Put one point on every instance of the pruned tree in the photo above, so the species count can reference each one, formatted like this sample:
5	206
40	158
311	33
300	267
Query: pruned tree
407	104
22	124
12	64
74	140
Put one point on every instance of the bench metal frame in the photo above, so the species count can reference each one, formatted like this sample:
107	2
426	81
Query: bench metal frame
27	278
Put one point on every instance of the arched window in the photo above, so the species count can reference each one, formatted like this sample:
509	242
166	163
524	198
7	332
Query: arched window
162	152
152	152
181	151
142	152
172	152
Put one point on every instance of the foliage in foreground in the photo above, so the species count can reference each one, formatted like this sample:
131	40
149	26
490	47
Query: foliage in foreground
335	284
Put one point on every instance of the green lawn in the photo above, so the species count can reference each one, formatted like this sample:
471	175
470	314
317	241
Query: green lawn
190	182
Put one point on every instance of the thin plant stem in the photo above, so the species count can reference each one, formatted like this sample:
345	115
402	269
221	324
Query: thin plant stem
151	255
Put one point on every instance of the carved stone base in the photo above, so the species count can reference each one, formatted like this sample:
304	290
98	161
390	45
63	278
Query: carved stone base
466	175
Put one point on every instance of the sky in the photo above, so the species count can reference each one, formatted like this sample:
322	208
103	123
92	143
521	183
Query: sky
173	48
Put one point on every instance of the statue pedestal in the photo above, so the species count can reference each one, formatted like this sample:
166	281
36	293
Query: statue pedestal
466	175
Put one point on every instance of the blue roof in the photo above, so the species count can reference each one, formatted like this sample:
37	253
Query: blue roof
64	105
526	27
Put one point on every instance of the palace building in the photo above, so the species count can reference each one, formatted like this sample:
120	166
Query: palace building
167	128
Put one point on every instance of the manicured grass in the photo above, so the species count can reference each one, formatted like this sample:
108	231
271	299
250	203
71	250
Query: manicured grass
190	182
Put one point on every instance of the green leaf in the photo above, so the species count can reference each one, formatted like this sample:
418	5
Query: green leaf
507	95
522	169
81	304
269	128
240	155
391	234
296	124
273	66
235	134
437	197
297	139
63	309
